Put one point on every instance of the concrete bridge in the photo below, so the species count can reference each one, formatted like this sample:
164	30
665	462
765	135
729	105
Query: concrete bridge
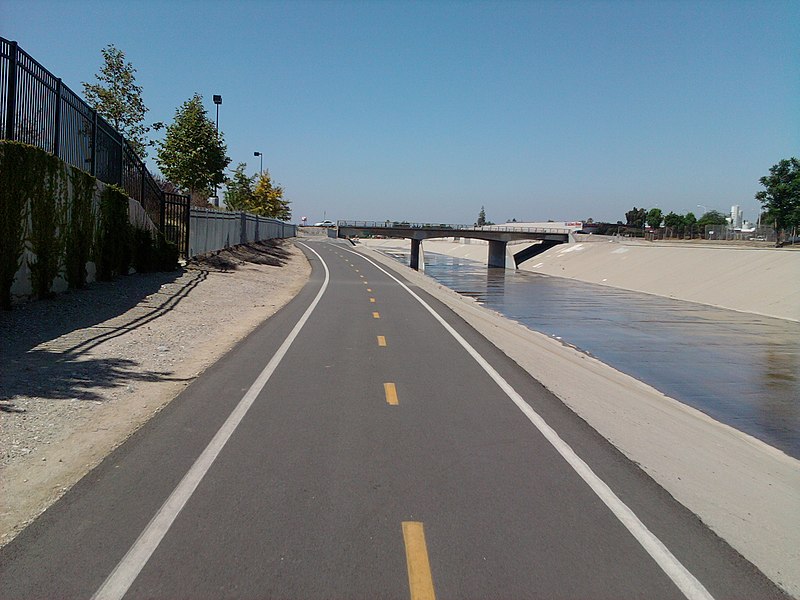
498	237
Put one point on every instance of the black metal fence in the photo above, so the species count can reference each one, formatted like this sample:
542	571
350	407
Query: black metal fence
175	219
38	109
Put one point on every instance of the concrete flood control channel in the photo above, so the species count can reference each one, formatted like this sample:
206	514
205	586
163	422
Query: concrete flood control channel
739	368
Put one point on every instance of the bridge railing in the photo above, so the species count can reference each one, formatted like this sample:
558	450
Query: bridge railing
439	226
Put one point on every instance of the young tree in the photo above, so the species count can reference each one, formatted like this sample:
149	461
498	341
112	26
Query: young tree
268	199
654	218
239	190
118	99
191	155
781	198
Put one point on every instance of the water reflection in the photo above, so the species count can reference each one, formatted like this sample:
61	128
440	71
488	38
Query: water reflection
741	369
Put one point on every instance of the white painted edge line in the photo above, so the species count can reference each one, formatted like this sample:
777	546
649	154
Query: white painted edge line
128	569
680	575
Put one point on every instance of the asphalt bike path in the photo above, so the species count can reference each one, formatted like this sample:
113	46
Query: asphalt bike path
375	457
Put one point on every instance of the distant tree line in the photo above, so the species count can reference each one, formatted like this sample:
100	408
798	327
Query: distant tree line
780	201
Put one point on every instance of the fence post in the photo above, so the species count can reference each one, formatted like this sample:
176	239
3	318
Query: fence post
121	181
57	132
93	156
243	230
161	212
142	170
11	107
188	221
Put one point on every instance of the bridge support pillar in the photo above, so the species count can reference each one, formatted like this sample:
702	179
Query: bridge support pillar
415	247
534	250
497	254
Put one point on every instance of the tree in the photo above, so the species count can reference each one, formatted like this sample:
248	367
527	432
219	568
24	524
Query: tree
636	217
118	99
239	190
166	186
690	223
781	198
268	200
191	154
675	223
654	218
481	218
712	217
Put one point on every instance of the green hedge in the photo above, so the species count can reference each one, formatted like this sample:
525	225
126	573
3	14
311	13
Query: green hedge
112	244
80	229
18	175
50	208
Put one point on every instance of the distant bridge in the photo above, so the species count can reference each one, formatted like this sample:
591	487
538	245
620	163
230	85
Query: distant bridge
497	236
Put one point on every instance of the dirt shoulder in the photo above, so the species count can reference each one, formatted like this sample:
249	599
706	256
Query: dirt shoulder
83	371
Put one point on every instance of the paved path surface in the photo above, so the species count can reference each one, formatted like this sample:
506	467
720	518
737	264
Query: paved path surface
359	446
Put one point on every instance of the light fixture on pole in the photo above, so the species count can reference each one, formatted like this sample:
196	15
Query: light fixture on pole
261	156
217	100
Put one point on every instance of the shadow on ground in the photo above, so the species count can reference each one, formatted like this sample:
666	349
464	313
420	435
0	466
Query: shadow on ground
34	323
66	376
44	344
269	252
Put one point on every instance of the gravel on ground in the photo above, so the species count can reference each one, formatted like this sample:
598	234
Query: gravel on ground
81	372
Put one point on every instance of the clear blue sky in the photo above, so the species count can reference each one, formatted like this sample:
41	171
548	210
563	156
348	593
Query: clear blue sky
427	110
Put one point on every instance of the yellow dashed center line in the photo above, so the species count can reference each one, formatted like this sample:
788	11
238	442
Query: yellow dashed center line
376	315
381	341
369	289
372	300
391	394
420	580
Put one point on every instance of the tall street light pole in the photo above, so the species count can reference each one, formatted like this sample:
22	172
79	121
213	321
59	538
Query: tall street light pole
217	101
261	157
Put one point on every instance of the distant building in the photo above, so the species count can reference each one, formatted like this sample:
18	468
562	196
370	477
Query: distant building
571	225
737	216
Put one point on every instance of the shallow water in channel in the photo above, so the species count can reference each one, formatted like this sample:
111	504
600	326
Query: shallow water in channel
739	368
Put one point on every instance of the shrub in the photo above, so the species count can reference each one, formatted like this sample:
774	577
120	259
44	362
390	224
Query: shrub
16	179
112	244
80	228
48	218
